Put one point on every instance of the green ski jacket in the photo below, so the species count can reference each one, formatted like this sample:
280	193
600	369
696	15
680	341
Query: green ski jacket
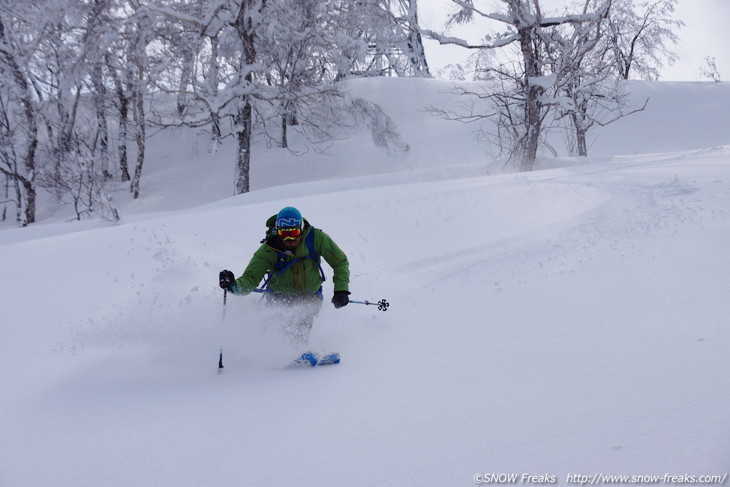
301	277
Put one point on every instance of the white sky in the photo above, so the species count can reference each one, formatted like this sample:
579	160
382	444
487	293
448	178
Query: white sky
706	33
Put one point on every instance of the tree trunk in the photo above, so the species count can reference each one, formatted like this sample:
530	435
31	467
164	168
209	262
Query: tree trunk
245	29
213	88
533	108
243	156
30	197
140	136
123	129
580	137
185	79
137	79
122	102
6	198
416	52
284	124
100	95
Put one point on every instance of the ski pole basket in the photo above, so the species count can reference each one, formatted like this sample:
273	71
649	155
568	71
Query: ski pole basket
382	304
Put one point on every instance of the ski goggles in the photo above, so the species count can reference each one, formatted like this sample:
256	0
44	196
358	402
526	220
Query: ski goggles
289	233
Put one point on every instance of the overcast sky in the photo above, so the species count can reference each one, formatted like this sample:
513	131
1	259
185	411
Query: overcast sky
706	33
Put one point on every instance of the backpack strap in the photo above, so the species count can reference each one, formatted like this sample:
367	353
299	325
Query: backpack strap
313	252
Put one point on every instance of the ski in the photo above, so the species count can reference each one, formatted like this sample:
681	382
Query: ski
312	359
307	359
329	359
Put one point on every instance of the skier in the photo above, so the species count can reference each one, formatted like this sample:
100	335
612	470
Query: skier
290	254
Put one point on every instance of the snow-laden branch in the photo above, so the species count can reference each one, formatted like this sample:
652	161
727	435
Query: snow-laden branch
456	41
621	113
469	6
544	82
570	19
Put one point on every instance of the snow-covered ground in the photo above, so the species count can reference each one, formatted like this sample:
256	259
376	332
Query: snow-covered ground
572	320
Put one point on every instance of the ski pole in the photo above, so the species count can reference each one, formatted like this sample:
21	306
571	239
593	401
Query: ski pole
382	304
223	321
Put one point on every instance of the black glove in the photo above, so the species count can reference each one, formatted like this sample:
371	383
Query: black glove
340	299
227	280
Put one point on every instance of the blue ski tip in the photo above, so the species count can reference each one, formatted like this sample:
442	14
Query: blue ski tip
330	359
308	359
312	359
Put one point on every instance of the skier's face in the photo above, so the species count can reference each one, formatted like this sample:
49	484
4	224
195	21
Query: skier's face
292	244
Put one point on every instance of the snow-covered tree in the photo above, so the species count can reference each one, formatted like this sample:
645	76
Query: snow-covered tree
640	34
297	65
52	64
709	70
520	88
380	38
587	91
83	80
266	67
394	40
21	109
12	193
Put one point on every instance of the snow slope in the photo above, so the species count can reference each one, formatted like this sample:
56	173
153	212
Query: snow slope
572	320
